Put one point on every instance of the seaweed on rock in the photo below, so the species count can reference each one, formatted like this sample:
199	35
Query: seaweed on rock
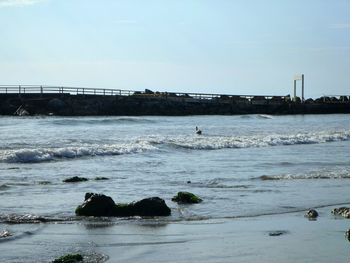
186	198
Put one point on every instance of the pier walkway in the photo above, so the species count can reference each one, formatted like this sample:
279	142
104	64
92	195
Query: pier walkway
40	89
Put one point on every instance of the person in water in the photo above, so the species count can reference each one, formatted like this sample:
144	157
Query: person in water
198	131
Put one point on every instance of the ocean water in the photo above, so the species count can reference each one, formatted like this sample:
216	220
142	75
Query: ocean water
241	166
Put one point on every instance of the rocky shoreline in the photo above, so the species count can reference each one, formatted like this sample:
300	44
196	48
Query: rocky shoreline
64	104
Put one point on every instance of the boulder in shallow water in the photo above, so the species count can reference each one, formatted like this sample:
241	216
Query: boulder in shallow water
153	206
96	205
102	205
75	179
69	258
311	214
186	198
342	211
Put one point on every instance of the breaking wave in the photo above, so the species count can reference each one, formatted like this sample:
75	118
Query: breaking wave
156	142
323	174
50	154
222	142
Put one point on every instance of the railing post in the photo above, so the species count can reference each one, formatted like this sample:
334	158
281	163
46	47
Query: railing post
83	91
77	91
41	89
6	90
104	92
19	89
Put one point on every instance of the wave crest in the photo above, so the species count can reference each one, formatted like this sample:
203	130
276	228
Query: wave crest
145	143
314	175
50	154
222	142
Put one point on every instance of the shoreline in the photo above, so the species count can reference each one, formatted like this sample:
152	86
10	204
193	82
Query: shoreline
214	240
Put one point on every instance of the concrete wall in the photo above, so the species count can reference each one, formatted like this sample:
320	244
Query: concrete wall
83	105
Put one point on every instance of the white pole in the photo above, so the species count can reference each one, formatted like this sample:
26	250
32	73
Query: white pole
302	88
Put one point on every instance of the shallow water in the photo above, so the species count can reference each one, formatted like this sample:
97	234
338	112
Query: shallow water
242	166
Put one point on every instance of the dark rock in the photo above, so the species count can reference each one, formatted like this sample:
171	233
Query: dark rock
186	198
342	211
343	98
149	92
70	258
311	214
96	205
123	210
334	99
309	101
153	206
75	179
101	205
88	195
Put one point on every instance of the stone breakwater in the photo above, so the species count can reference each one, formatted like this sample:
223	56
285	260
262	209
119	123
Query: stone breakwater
150	104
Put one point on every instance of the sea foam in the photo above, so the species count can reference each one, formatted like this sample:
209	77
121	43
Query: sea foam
156	142
50	154
208	142
336	173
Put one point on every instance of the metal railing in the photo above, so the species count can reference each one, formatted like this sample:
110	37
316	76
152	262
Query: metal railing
40	89
25	89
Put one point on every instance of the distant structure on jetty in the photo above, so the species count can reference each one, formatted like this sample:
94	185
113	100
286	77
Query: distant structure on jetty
77	101
299	77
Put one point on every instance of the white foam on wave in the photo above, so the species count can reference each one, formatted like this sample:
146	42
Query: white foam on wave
145	143
337	173
222	142
49	154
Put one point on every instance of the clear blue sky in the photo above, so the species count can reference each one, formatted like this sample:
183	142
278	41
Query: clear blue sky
210	46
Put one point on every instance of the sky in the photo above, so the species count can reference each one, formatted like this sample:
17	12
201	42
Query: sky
243	47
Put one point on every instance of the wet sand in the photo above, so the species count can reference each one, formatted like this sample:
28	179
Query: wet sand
276	238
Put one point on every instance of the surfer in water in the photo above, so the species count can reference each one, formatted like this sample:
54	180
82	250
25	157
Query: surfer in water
198	131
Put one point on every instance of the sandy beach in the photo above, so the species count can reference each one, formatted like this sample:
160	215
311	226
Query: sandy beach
286	237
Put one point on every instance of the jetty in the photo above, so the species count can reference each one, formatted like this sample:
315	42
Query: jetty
80	101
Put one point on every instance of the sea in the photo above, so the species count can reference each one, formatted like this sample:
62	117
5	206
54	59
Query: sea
243	166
